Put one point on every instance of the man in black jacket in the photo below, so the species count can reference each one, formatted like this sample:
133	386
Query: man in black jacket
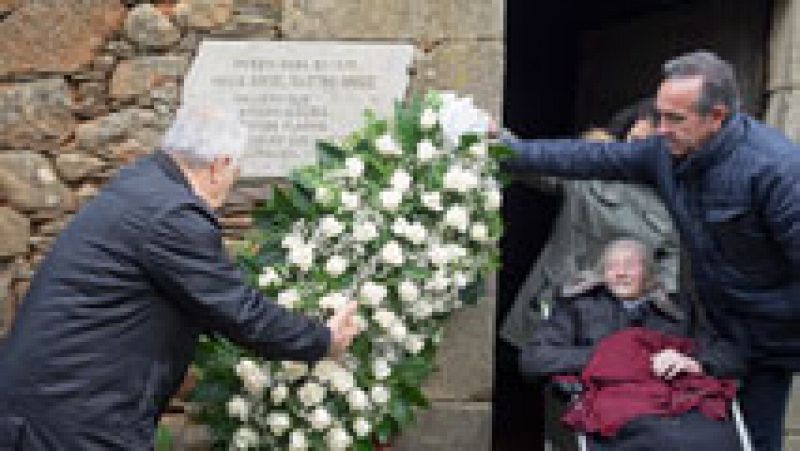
111	319
732	186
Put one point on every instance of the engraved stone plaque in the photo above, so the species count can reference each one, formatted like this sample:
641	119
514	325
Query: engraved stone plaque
291	94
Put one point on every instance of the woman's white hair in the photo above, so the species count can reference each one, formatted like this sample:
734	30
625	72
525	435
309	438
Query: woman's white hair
202	132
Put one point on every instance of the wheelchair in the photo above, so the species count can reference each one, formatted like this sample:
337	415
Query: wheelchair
558	437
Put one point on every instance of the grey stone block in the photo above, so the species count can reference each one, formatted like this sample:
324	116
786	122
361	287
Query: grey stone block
449	426
393	19
464	362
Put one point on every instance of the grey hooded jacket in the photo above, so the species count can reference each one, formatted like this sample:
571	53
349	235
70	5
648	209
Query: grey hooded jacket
594	212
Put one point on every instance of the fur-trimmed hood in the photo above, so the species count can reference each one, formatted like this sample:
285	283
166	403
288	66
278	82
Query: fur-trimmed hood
587	281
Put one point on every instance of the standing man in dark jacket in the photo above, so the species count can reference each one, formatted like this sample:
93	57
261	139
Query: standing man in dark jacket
732	185
109	324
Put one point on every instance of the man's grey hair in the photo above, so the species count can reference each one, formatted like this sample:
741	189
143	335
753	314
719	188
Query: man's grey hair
719	79
641	249
202	132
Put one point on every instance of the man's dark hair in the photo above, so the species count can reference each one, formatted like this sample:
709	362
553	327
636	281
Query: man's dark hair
621	122
719	80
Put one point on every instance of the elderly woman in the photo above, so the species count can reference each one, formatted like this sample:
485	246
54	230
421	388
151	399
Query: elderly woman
621	297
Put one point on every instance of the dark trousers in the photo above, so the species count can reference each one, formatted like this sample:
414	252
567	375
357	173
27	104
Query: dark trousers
764	397
691	431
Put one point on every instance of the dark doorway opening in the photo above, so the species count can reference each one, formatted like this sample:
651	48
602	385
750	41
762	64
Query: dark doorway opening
570	65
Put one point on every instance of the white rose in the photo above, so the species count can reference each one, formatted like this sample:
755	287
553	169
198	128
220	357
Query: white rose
479	232
458	116
333	301
439	281
324	369
416	233
373	293
422	310
408	291
350	200
311	394
360	322
401	181
426	151
268	277
384	318
338	439
294	370
414	344
288	298
279	393
330	226
279	423
298	441
238	408
365	231
432	201
390	199
302	256
320	419
398	331
457	217
460	280
452	179
455	252
392	253
438	255
292	241
399	226
354	167
323	195
428	118
245	438
478	150
357	399
460	180
361	427
492	199
342	381
379	394
336	265
386	145
253	377
381	369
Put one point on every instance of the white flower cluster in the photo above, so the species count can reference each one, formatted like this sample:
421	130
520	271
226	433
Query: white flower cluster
407	227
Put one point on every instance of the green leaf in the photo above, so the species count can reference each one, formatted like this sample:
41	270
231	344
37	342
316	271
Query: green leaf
467	140
415	395
329	153
363	445
385	430
500	151
163	441
401	412
472	293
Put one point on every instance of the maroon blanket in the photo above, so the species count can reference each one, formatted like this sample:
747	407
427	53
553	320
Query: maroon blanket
619	385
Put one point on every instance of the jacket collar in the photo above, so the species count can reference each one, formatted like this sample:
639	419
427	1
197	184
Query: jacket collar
587	281
170	168
715	149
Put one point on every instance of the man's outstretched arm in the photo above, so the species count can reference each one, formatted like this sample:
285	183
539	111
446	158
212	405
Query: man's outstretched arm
578	159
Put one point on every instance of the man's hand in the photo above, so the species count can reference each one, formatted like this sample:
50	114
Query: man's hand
669	363
343	328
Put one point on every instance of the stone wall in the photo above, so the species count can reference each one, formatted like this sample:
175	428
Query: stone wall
783	112
89	85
